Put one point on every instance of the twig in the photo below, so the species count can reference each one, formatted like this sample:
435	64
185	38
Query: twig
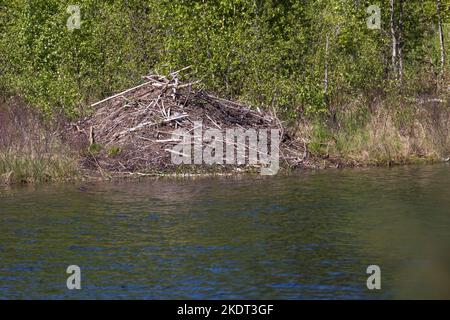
122	93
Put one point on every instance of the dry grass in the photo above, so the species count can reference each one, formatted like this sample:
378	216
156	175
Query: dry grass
29	151
418	131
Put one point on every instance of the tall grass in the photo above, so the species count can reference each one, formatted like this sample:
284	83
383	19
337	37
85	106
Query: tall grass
29	151
407	132
18	167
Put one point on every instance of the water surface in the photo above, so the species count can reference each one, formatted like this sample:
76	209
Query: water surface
306	236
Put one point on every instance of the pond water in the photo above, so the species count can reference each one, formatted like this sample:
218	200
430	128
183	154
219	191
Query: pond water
311	235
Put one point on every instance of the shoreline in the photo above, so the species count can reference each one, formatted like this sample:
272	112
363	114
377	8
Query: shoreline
92	176
126	139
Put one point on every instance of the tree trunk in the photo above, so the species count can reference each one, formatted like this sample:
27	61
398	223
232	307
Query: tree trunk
400	41
394	39
441	35
327	47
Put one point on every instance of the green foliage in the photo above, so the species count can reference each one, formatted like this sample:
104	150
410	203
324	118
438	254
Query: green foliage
266	52
62	70
320	140
95	148
114	151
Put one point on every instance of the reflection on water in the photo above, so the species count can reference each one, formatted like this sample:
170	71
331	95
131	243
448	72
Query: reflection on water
310	236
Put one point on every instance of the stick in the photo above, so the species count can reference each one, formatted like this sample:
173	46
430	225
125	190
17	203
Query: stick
122	93
214	122
176	117
136	128
177	153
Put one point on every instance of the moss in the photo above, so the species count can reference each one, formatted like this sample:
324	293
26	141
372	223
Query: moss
114	151
95	148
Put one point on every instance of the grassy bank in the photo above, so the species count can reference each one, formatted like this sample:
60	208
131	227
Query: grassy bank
20	167
30	151
416	131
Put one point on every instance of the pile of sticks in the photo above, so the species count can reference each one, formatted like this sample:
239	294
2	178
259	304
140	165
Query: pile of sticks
133	129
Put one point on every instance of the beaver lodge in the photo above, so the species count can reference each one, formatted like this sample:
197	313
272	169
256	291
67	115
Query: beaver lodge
132	132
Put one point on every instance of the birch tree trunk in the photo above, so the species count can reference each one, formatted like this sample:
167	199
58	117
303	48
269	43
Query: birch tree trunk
325	82
394	39
400	41
441	35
